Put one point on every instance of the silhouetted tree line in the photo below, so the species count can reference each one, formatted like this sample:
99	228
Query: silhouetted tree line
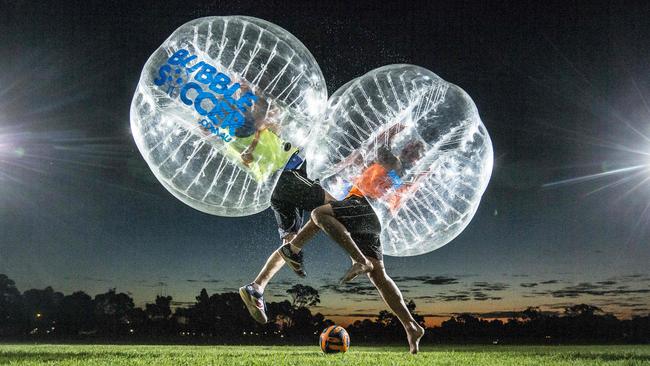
48	314
580	323
218	317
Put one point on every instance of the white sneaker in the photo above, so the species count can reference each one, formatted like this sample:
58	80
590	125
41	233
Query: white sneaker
254	301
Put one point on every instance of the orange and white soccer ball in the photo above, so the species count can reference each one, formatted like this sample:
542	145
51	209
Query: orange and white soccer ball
334	339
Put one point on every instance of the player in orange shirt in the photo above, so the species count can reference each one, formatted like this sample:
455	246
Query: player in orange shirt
353	224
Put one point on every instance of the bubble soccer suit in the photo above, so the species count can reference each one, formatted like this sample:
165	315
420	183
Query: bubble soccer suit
220	108
431	131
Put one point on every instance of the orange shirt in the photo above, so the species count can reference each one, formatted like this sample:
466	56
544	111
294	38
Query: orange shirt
372	183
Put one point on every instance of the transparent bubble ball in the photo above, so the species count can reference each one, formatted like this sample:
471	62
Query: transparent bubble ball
220	108
427	135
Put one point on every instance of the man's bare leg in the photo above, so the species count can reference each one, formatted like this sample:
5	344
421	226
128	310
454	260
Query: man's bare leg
323	216
305	234
271	267
252	294
393	298
275	261
308	231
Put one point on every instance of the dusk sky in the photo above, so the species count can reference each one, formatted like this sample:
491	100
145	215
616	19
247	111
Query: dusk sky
564	92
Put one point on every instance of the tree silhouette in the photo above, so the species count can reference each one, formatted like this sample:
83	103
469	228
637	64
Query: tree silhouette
222	317
582	310
532	313
41	308
303	296
161	309
156	316
112	311
417	317
9	294
280	313
76	314
12	319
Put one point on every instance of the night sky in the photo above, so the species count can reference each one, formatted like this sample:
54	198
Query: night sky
563	91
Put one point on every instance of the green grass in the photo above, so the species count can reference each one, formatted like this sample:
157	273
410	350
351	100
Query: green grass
305	355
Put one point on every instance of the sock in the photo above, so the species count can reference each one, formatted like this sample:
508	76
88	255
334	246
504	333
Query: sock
257	288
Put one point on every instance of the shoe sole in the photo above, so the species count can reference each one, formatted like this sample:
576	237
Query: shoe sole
252	307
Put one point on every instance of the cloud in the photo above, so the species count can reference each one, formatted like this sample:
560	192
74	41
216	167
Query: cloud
424	297
454	296
633	278
363	315
153	284
481	293
441	280
485	286
587	288
283	283
606	283
448	298
495	314
93	279
428	280
410	278
528	284
632	305
370	315
549	282
481	296
436	315
350	289
203	281
182	303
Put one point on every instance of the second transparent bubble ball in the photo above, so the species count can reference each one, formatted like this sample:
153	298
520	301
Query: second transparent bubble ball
428	137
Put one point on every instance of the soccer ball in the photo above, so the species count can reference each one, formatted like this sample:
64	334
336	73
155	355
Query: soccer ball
334	339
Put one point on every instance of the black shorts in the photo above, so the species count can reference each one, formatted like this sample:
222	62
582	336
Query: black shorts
358	217
294	195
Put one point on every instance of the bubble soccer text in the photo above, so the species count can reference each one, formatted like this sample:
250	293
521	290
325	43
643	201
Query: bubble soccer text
226	112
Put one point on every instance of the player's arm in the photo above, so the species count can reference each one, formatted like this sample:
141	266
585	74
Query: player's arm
266	123
404	190
247	155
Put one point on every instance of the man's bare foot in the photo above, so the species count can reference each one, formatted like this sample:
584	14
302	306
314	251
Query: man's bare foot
414	335
356	269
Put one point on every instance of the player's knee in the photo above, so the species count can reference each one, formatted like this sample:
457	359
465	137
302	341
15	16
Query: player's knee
317	214
378	274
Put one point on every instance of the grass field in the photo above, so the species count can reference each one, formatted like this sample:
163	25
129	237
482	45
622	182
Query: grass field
302	355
